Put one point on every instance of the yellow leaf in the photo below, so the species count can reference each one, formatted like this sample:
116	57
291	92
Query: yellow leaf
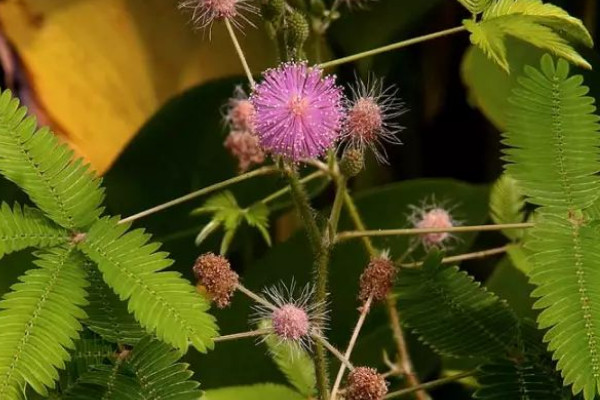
101	68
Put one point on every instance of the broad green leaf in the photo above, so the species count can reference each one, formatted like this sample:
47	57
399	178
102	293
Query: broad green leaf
507	205
255	392
512	284
543	25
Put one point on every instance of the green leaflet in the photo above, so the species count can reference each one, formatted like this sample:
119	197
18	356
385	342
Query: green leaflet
452	313
22	227
39	319
475	6
162	302
35	160
107	314
543	25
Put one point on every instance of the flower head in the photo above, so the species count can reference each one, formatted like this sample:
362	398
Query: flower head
216	277
295	319
377	279
240	113
244	146
206	12
370	121
365	384
431	216
299	112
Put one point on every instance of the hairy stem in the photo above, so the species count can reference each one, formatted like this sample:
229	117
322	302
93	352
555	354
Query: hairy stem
217	186
321	253
242	335
463	257
336	209
239	51
309	178
421	231
430	385
361	320
394	46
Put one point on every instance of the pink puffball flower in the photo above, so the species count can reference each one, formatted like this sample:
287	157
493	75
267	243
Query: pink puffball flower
299	113
292	319
240	113
244	146
432	216
206	12
371	118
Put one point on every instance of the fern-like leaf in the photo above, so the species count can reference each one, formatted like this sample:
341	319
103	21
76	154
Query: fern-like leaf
507	205
39	320
554	155
108	315
27	227
522	379
543	25
35	160
476	6
553	138
162	301
150	371
452	313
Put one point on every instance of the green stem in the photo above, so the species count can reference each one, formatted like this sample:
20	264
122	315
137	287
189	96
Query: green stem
242	335
217	186
429	385
394	46
421	231
240	52
336	209
358	223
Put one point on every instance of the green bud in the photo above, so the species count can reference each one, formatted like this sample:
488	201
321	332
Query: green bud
317	7
272	10
353	161
297	30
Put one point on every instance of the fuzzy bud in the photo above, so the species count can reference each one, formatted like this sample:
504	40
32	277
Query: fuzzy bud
216	277
297	30
352	162
245	146
272	10
435	218
365	384
377	279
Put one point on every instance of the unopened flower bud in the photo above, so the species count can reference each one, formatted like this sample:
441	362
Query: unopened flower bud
365	384
215	275
377	279
352	162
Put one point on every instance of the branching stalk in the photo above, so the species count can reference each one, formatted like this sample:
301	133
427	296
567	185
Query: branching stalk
209	189
241	335
421	231
390	47
463	257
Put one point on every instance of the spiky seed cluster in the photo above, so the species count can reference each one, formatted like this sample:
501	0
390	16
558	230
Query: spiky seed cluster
377	279
206	12
214	273
430	216
365	384
242	142
299	112
295	318
371	118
